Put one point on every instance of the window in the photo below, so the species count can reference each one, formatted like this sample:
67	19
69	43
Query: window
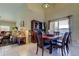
60	25
51	29
4	28
56	26
64	26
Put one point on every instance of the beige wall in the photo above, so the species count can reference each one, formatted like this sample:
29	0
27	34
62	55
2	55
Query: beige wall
61	10
30	12
33	12
20	11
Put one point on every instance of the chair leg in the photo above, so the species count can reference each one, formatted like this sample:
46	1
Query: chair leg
37	50
67	49
42	51
62	51
50	49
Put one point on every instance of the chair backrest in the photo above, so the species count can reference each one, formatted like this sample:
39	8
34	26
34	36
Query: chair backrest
65	38
56	33
38	37
68	41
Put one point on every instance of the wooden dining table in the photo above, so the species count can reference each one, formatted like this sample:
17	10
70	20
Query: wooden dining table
51	38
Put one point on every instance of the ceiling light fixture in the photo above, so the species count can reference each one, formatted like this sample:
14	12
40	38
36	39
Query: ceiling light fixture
45	5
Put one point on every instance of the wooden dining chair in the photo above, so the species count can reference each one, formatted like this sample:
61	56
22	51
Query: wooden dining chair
68	41
60	45
40	41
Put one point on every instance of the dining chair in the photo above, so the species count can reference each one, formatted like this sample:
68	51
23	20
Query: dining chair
59	44
68	41
40	41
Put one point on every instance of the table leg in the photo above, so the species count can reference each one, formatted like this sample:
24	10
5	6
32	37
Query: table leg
50	48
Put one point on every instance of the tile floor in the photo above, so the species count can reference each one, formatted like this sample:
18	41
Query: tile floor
30	50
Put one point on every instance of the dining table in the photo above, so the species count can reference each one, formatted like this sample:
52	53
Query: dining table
51	38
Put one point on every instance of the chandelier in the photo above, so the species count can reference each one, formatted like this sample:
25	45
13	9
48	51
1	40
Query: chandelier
45	5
